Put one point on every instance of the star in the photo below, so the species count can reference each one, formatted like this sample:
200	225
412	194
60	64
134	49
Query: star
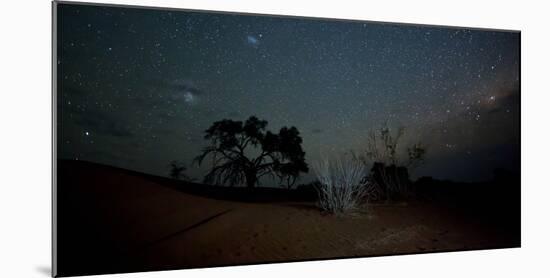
118	85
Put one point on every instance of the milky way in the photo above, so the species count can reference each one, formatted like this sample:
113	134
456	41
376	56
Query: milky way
137	87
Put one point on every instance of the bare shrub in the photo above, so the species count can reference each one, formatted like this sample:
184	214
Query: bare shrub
342	184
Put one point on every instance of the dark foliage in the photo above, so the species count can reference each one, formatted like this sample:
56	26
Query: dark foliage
496	203
393	181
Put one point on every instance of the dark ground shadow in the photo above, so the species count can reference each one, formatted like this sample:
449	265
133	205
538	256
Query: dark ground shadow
204	221
44	270
303	206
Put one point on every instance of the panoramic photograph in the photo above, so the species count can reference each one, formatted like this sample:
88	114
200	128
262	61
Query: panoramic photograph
192	139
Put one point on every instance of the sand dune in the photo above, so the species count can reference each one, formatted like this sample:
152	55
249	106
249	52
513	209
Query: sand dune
113	220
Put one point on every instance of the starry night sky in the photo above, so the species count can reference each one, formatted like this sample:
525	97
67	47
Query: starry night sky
138	87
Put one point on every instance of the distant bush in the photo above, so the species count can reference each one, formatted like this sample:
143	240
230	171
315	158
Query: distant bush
176	171
390	161
342	186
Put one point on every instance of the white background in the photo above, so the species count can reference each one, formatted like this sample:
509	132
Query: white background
25	130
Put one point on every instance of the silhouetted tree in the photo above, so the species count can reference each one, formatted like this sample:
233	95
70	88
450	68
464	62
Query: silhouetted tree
177	169
242	153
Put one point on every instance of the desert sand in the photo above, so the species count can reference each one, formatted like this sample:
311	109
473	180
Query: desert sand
114	220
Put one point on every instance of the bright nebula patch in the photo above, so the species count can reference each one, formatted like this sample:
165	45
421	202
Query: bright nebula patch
188	97
252	40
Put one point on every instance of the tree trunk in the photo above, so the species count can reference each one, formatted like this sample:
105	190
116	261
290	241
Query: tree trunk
251	179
